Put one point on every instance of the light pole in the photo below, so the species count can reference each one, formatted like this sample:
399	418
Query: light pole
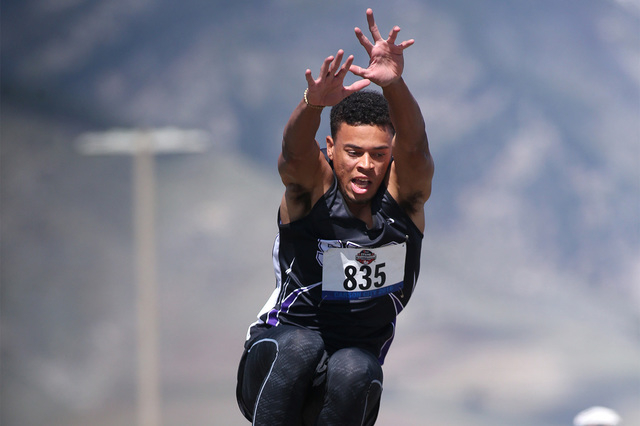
144	145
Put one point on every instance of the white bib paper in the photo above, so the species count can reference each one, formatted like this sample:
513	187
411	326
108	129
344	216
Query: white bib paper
360	273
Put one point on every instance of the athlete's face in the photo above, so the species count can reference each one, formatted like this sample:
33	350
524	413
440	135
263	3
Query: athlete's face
361	156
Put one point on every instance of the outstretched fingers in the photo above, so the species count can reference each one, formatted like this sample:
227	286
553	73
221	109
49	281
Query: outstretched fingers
364	41
308	75
375	33
357	70
328	88
345	67
329	66
357	86
393	35
335	64
326	65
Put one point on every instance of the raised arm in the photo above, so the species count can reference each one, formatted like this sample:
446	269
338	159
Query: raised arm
303	170
412	169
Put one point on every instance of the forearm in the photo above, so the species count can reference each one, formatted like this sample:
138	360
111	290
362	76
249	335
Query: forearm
406	117
298	140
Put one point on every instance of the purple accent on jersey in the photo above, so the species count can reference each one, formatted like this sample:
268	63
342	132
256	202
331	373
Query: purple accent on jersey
272	316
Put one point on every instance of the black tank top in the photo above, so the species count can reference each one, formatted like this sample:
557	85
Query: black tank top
365	285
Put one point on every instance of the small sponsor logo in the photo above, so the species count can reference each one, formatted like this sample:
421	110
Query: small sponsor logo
365	257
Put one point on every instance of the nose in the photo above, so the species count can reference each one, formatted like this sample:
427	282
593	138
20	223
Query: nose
366	162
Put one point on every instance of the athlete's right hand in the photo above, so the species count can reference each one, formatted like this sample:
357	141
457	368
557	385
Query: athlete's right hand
328	89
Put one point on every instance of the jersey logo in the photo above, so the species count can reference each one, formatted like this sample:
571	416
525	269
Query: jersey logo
365	257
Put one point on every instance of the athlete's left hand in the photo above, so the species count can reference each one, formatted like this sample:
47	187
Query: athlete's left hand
386	60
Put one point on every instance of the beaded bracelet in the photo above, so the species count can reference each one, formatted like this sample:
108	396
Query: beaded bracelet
306	101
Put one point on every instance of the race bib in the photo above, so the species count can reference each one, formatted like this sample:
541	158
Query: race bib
361	273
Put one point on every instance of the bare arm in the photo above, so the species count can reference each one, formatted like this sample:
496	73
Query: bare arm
303	170
412	169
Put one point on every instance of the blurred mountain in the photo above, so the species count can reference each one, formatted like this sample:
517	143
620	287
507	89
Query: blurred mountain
527	306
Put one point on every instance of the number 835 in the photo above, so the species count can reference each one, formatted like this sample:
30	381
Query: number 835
365	277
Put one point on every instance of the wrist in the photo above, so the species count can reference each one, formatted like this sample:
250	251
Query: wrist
393	84
309	104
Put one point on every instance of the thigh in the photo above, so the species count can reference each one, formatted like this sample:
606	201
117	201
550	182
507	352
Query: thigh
276	372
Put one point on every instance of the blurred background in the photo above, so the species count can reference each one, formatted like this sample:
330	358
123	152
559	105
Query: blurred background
527	308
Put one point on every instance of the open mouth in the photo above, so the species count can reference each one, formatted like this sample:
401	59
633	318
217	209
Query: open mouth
360	186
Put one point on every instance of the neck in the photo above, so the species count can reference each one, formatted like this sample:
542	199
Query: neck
362	211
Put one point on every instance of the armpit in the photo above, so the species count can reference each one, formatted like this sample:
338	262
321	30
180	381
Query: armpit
299	196
412	203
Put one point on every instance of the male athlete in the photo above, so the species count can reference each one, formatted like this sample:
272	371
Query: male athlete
348	249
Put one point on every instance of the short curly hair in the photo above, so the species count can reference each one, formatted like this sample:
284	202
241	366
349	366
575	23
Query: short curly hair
361	108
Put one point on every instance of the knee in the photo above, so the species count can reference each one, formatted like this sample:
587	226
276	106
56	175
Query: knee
355	366
304	346
354	388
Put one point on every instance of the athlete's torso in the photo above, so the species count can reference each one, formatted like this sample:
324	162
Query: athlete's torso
341	278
